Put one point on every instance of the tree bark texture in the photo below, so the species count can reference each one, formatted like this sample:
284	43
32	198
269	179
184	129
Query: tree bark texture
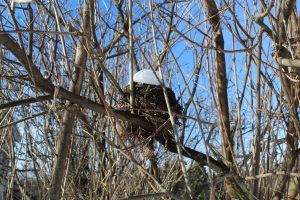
63	149
233	188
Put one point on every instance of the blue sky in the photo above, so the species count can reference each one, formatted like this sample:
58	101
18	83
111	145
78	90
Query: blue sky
185	56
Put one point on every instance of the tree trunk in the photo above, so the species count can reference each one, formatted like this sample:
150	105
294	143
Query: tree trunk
64	141
234	189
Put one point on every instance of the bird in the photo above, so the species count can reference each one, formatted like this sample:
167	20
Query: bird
149	103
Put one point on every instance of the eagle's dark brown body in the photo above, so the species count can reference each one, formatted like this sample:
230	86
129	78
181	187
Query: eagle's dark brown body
150	99
150	103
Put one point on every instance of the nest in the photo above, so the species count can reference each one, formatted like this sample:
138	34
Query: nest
149	103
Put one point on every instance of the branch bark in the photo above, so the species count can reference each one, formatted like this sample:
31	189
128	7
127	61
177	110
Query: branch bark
64	142
234	189
45	85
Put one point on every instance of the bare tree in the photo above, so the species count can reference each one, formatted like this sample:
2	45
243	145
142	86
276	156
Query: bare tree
223	123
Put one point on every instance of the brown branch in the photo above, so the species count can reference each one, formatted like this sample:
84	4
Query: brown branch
234	188
287	62
46	86
25	101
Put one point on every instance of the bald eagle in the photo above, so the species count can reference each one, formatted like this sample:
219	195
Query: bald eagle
149	103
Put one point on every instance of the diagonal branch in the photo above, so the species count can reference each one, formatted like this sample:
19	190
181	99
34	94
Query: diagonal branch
25	101
46	86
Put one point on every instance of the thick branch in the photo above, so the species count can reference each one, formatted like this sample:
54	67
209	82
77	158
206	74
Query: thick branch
83	102
25	101
287	62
